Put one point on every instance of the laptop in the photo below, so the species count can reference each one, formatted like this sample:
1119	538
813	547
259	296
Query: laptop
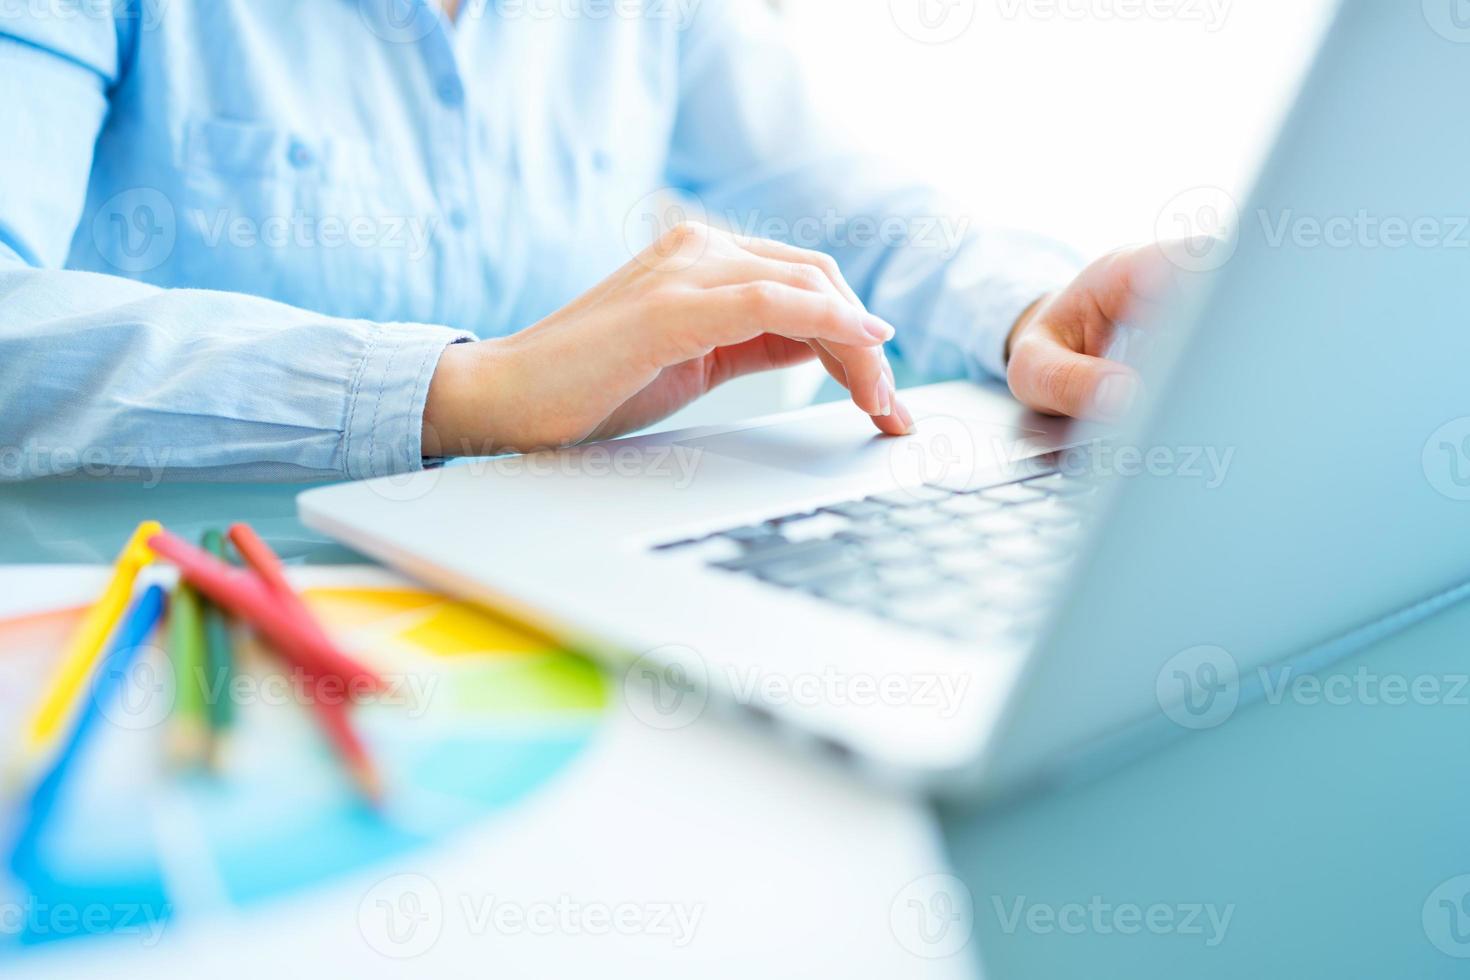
1001	596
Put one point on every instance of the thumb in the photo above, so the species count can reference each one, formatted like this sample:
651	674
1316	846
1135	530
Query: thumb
1050	377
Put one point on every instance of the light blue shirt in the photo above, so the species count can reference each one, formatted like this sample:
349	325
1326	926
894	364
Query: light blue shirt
236	235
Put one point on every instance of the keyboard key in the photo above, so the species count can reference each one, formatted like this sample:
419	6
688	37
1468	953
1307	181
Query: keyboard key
900	579
754	536
949	536
1063	485
860	531
1025	550
800	574
911	497
706	550
857	510
968	505
808	552
815	528
918	517
968	562
1052	514
897	550
1000	524
861	590
1012	493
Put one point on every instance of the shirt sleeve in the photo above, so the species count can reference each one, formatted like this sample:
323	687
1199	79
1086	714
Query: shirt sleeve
753	149
104	376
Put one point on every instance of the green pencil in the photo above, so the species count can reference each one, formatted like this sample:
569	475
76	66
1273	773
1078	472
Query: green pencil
188	732
219	653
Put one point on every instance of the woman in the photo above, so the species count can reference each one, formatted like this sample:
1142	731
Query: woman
264	238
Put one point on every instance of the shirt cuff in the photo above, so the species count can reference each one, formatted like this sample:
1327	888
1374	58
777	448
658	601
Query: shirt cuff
385	409
960	313
996	310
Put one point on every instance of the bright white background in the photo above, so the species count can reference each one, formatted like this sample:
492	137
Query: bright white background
1080	118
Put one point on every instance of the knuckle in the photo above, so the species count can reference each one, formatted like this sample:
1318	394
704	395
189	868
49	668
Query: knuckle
685	234
807	276
758	298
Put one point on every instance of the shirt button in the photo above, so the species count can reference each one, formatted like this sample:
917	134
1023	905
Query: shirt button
299	154
451	92
457	219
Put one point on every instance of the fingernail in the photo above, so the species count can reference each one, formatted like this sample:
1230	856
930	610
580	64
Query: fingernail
878	328
901	412
1115	396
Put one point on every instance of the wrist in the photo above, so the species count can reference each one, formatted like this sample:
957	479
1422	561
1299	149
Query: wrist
457	416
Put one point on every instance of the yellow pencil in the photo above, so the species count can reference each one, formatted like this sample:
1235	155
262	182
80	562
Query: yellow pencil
86	646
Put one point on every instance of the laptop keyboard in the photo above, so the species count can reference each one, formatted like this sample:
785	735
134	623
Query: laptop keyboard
972	565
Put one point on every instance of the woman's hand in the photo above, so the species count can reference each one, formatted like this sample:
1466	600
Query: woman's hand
1056	355
696	309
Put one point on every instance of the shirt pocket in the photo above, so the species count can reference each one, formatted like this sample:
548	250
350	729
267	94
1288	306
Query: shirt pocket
310	219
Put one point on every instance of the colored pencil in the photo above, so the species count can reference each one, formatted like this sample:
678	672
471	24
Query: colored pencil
333	717
86	645
131	637
188	730
219	653
265	563
355	758
247	597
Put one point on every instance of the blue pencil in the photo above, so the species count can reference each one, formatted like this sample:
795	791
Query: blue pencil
111	675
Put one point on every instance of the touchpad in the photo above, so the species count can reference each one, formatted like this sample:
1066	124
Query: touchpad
843	444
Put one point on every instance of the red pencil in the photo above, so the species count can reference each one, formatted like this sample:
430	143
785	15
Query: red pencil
259	556
243	594
354	754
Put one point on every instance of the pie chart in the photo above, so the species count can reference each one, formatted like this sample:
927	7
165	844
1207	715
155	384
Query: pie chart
476	715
